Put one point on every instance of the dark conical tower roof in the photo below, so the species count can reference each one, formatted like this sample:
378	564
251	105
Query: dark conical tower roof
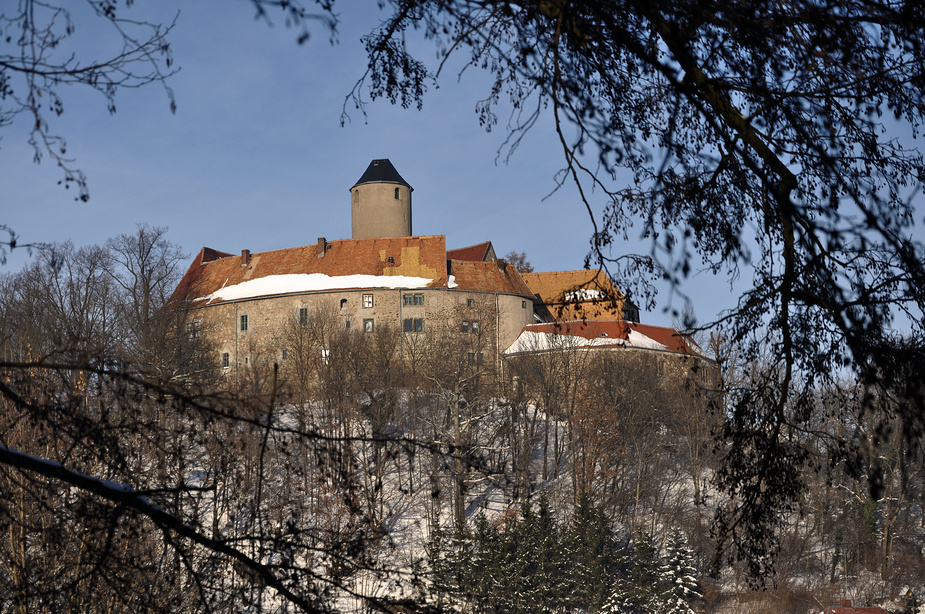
381	171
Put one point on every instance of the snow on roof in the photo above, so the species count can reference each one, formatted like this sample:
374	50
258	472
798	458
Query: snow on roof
638	340
530	341
312	282
585	334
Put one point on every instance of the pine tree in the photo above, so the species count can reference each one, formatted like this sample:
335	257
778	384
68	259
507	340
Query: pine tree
591	555
488	567
678	575
637	590
622	599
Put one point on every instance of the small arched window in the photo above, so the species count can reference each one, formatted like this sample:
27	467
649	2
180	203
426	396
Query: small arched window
397	194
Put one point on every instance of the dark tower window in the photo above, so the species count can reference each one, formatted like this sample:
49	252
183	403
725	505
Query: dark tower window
397	194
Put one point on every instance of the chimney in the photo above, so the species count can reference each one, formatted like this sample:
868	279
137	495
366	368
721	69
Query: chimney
245	257
322	246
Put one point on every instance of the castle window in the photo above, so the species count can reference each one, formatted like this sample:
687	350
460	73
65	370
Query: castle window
476	358
356	196
367	300
470	302
226	360
285	354
397	193
368	325
303	315
391	259
343	303
194	329
523	304
415	325
347	324
470	327
243	323
413	299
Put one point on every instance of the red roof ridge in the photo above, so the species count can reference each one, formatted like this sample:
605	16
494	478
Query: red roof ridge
473	253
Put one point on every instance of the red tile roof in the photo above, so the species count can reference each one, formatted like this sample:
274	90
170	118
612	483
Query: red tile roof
475	253
493	276
410	256
425	257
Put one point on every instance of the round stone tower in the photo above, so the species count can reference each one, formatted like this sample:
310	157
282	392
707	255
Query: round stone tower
381	203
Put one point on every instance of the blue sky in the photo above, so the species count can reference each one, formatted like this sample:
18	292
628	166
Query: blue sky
256	156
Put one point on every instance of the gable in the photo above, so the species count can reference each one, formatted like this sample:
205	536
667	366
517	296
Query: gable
579	295
482	252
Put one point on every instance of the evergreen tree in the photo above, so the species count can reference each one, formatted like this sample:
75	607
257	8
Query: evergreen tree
451	555
537	571
638	589
592	556
678	575
623	598
486	574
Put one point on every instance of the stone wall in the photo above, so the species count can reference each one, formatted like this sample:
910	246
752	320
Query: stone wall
411	311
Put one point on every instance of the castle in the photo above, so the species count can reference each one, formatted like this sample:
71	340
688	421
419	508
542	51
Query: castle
385	277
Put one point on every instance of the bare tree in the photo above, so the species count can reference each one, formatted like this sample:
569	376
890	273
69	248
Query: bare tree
35	70
788	177
519	260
